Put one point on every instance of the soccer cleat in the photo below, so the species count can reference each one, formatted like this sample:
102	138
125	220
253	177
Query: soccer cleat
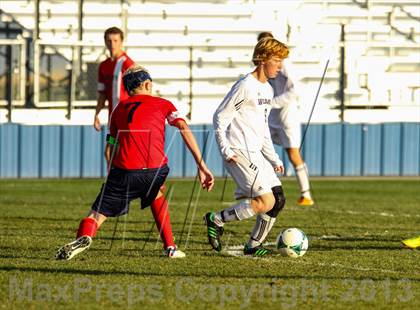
213	231
73	248
258	251
412	242
173	252
303	201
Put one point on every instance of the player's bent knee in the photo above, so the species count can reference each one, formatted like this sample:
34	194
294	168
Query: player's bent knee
263	203
280	201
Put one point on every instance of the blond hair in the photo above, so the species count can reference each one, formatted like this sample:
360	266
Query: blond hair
267	48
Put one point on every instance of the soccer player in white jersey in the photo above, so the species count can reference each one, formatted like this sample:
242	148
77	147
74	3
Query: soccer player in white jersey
243	137
285	129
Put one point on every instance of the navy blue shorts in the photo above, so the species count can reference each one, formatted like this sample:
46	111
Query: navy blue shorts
123	186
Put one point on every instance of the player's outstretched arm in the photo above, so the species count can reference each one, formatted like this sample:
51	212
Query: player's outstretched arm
206	177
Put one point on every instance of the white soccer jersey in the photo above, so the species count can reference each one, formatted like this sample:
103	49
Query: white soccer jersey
241	121
284	119
284	92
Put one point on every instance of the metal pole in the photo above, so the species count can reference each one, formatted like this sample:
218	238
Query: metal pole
37	55
49	75
9	81
72	84
29	86
36	30
306	130
190	82
341	94
80	21
79	48
69	92
22	69
314	104
124	16
9	74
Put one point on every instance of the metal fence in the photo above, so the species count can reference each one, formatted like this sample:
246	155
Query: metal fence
197	77
330	150
65	75
374	51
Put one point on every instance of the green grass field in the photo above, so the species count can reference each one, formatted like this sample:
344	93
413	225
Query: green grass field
355	259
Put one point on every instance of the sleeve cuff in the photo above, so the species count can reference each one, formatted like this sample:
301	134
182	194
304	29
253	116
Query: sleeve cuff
228	154
173	121
278	163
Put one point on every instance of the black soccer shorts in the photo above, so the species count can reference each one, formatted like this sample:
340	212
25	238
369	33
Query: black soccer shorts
123	186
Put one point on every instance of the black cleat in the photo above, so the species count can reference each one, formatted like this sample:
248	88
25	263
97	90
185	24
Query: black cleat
71	249
213	231
258	251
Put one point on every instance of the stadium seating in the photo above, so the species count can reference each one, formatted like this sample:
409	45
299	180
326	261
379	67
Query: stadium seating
381	43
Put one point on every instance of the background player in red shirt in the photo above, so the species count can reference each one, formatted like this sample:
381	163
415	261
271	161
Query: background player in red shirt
139	167
110	86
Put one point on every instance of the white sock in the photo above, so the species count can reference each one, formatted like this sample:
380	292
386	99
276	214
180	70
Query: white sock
261	229
218	219
238	212
302	177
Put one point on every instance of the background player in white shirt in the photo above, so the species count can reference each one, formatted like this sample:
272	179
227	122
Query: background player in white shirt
243	137
285	127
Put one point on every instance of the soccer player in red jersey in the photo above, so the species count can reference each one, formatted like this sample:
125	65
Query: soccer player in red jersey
139	164
110	86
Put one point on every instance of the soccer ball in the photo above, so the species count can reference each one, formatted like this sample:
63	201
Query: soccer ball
292	242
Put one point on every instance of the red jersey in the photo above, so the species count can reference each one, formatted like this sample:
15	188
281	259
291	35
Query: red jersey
110	79
139	126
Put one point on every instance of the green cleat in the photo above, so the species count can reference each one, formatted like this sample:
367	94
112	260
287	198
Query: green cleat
258	251
213	231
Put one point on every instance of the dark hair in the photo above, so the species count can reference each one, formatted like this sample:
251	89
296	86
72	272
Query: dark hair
114	30
264	34
133	77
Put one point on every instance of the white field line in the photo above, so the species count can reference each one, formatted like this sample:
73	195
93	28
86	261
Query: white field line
352	212
237	251
341	266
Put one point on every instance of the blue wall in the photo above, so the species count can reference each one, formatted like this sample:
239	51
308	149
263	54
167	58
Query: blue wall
391	149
